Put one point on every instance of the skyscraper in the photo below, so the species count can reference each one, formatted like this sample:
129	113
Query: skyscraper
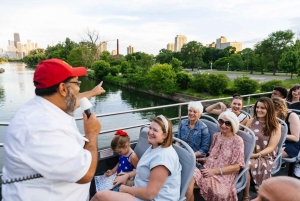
170	46
130	49
102	47
180	40
16	38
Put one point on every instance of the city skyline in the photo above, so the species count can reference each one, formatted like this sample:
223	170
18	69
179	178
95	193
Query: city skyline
148	26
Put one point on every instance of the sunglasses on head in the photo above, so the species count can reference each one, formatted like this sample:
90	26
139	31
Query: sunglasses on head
227	123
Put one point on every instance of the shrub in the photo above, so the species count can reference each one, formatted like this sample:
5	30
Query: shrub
269	85
246	85
200	82
101	68
162	78
217	83
136	80
114	70
183	79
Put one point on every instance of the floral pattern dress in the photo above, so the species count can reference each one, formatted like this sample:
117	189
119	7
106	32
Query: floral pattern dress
222	153
260	169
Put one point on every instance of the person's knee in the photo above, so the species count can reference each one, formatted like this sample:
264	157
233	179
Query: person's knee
101	195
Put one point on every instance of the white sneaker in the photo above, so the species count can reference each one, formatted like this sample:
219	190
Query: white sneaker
297	169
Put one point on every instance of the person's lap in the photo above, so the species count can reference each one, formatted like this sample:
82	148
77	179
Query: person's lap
108	195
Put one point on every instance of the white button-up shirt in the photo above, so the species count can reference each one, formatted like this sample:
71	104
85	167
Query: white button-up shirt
43	139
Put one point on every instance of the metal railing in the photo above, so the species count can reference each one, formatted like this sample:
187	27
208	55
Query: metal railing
179	105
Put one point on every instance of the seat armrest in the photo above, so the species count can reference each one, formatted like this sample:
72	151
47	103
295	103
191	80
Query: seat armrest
240	175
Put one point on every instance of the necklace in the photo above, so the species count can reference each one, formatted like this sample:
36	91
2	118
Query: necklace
220	147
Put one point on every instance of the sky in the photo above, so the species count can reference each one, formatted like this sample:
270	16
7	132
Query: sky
147	25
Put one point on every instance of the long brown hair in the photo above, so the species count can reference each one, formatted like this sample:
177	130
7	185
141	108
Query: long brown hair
168	140
290	95
119	142
271	123
280	107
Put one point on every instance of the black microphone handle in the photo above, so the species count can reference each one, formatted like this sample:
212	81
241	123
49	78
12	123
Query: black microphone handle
88	113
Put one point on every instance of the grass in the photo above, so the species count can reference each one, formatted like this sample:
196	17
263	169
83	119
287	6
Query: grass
239	72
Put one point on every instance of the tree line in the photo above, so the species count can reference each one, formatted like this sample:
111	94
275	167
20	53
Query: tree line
164	72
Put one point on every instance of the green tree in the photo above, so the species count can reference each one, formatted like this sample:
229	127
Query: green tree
217	83
222	63
245	85
162	78
236	62
35	57
176	65
276	44
288	62
183	79
192	53
125	67
105	56
248	56
75	57
164	56
101	68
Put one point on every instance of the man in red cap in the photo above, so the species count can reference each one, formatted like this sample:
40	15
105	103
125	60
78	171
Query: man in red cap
45	156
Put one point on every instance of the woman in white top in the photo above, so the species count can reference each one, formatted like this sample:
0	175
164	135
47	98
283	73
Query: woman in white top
236	105
158	173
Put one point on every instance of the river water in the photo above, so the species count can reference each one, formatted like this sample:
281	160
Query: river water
16	88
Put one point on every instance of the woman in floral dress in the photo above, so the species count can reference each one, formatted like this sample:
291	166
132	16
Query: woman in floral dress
267	132
226	157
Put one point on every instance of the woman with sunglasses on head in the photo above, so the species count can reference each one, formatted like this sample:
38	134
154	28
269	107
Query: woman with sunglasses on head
267	132
236	105
221	167
158	172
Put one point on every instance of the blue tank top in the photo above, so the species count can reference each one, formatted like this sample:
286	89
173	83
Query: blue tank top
124	164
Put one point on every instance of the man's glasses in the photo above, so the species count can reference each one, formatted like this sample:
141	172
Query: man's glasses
227	123
78	83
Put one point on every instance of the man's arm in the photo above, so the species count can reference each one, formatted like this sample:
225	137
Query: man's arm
92	128
97	90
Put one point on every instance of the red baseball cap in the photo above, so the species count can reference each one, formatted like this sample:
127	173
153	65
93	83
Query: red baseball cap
54	71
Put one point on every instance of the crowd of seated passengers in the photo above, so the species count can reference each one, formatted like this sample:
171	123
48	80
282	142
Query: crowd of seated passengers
226	154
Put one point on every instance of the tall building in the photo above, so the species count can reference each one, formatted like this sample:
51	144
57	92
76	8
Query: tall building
170	46
29	46
211	45
19	50
16	39
36	46
130	49
180	40
114	52
221	43
102	47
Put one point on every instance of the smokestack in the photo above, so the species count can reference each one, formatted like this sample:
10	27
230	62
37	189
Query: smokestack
117	48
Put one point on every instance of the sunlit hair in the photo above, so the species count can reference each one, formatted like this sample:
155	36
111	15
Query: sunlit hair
290	95
233	120
168	140
281	107
119	142
283	91
271	123
237	96
197	105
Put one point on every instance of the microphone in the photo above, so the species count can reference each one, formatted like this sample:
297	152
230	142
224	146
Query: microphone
85	105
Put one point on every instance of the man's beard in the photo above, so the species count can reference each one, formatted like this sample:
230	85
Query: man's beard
70	102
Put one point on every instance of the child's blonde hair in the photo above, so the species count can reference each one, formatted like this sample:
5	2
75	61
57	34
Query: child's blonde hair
120	140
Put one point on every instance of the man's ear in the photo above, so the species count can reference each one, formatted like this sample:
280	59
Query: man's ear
63	89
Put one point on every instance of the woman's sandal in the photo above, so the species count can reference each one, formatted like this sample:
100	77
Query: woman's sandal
246	198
